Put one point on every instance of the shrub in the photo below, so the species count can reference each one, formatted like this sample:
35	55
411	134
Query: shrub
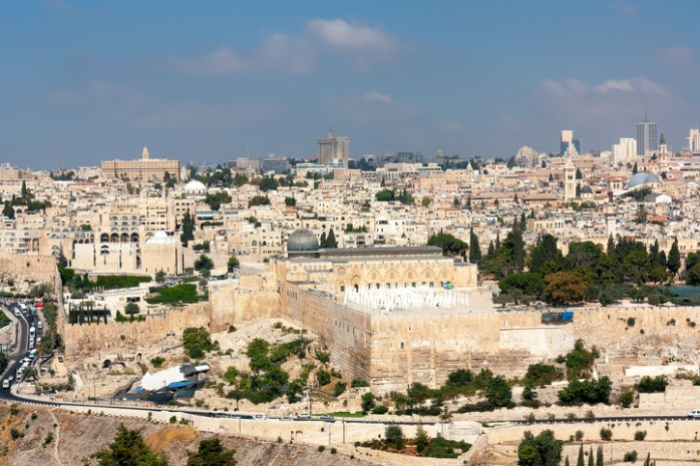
157	361
182	293
339	389
323	377
606	434
14	433
639	436
197	342
380	410
579	435
630	323
173	419
630	456
321	448
334	451
656	385
542	374
49	438
586	391
359	383
323	358
626	399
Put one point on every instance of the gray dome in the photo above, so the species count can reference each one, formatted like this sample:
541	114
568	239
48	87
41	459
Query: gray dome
642	178
302	240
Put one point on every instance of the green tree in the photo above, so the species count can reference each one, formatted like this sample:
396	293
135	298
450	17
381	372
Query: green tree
580	461
422	439
368	402
394	436
425	202
187	229
204	264
216	199
160	276
8	211
290	202
211	453
543	450
599	460
197	342
474	249
233	263
450	245
131	309
129	449
258	200
268	183
563	288
24	189
385	195
499	393
331	243
545	257
674	258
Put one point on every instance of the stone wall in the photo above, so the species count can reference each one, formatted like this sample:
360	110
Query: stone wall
37	268
346	332
242	302
129	336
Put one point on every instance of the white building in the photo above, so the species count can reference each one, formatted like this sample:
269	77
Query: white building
625	150
694	141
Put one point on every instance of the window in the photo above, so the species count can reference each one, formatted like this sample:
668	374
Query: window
342	288
402	345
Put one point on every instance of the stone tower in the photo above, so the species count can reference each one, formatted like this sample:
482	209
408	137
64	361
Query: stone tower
569	181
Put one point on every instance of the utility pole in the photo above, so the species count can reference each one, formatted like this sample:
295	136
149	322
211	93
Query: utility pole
343	431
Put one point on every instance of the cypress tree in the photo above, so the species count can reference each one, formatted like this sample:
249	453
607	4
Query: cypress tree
330	241
579	461
599	457
474	249
674	258
590	458
322	242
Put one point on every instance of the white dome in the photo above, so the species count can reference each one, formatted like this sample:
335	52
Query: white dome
195	186
160	237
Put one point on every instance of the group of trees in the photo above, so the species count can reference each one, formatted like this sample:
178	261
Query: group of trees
328	241
26	199
267	380
586	273
387	195
129	449
450	245
215	200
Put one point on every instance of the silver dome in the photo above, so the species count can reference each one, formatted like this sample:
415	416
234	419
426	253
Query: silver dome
642	178
302	240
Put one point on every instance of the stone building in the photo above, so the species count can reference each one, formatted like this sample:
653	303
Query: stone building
144	168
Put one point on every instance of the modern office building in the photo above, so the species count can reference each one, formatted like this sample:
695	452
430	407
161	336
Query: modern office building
331	146
144	168
647	138
569	145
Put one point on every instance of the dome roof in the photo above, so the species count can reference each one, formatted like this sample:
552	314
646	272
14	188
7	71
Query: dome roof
195	186
642	178
160	237
586	189
302	240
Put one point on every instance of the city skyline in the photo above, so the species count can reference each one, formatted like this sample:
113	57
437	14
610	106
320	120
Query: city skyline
90	81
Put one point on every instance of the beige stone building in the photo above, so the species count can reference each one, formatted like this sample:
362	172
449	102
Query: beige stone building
144	168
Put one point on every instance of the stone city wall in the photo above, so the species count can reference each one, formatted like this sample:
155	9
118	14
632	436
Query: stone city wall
346	332
129	336
240	303
37	268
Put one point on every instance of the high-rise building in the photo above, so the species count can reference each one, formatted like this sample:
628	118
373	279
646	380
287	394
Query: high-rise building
569	145
694	141
331	146
625	150
647	139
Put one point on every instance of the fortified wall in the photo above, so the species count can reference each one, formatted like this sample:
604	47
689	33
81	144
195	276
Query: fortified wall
238	302
395	349
129	336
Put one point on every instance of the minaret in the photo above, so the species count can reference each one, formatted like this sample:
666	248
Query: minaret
662	144
144	154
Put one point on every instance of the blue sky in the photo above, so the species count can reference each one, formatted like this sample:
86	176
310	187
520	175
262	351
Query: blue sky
84	81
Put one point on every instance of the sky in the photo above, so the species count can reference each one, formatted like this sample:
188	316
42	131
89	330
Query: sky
84	81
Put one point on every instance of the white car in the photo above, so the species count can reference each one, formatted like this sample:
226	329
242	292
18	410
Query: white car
6	383
694	413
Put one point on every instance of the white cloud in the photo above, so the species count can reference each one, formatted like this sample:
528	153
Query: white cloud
574	87
376	96
297	54
676	56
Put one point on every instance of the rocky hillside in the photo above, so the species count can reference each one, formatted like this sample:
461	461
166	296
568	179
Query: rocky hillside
36	436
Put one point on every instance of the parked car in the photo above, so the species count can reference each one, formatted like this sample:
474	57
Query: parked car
327	417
